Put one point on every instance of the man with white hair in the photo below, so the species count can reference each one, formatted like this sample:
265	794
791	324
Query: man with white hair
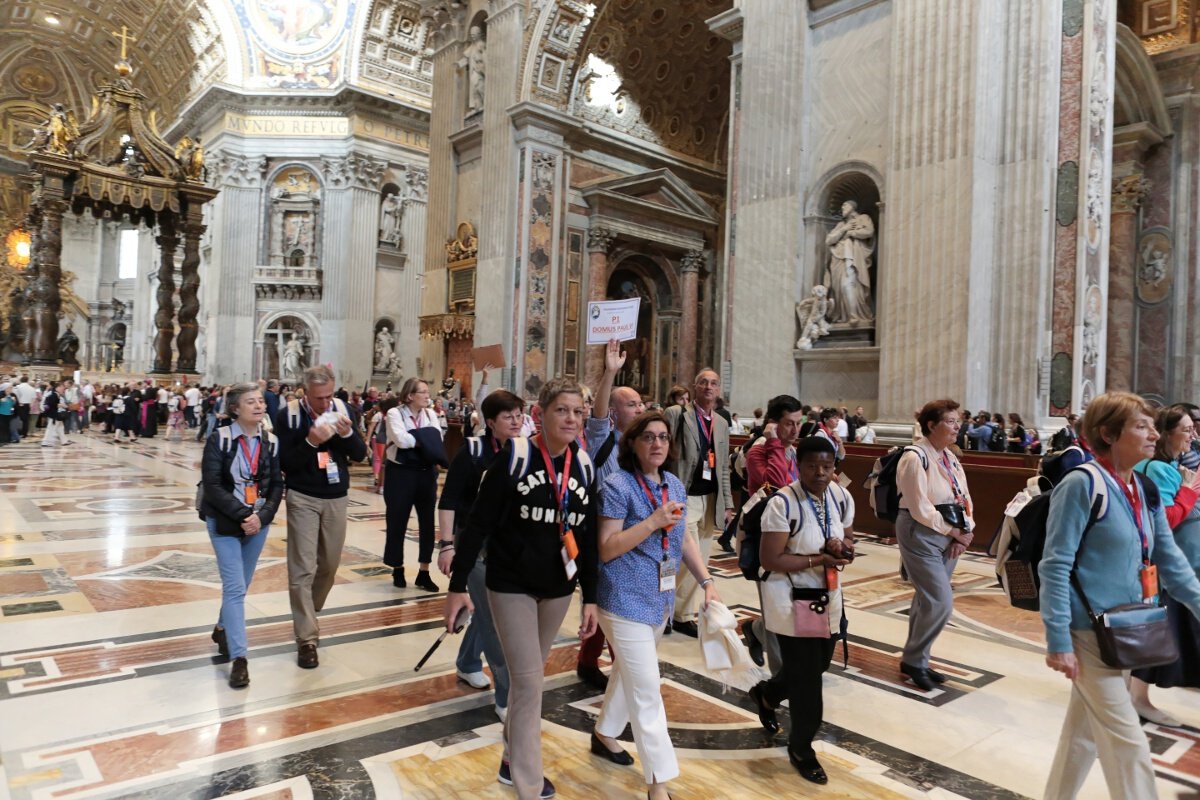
317	441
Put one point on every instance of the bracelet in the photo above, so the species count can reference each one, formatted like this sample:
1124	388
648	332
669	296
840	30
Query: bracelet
810	564
445	545
705	582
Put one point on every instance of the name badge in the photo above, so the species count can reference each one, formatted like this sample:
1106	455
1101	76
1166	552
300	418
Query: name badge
706	472
569	545
569	564
666	576
831	578
251	490
331	472
1149	583
323	459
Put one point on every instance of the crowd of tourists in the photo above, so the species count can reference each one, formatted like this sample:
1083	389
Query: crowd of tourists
601	489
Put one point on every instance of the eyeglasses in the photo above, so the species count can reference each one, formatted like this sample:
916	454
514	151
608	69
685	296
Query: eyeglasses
651	438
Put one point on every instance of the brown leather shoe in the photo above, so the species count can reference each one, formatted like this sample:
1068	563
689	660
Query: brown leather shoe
239	676
306	657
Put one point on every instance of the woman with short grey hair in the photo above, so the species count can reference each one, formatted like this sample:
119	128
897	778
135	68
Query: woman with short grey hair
242	486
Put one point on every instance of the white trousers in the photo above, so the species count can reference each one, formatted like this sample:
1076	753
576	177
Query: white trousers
1101	723
55	434
634	695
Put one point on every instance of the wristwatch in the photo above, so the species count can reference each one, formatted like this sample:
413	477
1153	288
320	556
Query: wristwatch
443	544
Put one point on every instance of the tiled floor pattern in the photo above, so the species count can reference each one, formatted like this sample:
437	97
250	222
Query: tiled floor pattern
111	687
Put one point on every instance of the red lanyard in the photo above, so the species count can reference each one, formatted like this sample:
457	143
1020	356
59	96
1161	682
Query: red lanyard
666	542
705	430
959	495
1134	499
417	418
560	491
251	460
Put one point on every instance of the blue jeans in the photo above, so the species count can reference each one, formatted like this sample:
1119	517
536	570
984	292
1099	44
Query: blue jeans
236	558
12	426
480	637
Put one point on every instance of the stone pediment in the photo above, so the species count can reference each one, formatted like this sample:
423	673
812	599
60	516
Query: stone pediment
649	192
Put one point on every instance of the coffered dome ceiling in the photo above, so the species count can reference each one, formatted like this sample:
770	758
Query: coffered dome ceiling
655	71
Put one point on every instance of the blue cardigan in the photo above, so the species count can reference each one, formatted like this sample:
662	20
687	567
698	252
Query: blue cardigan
1108	562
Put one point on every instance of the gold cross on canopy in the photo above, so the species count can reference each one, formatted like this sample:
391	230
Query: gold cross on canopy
125	39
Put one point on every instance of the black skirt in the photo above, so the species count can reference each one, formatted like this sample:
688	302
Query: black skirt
1184	672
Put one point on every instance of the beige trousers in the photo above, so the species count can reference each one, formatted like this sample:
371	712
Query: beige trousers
316	533
701	523
526	627
1101	723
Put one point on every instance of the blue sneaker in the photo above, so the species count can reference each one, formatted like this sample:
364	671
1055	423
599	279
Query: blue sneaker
505	777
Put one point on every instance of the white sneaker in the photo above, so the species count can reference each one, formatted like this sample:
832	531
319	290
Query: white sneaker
502	713
476	680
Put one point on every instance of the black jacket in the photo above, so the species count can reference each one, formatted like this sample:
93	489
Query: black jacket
219	500
299	458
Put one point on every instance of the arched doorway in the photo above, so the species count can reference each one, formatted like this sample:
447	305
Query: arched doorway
651	358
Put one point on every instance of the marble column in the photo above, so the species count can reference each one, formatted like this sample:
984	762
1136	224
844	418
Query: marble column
237	231
351	232
444	119
414	229
499	246
689	267
768	182
164	317
1127	196
33	223
1081	263
189	297
600	241
44	290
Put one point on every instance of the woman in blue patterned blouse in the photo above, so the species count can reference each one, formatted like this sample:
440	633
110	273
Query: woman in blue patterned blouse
642	541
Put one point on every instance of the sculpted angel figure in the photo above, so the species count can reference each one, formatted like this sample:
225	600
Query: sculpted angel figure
190	155
812	313
61	131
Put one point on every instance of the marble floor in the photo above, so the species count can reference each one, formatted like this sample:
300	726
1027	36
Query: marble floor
110	687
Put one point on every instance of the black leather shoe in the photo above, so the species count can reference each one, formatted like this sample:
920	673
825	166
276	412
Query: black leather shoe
670	627
809	768
425	582
919	676
306	656
766	712
218	636
726	545
592	676
752	642
398	579
621	758
686	628
935	676
239	676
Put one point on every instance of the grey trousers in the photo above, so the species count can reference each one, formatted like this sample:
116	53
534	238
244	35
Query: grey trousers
527	627
316	533
923	552
480	637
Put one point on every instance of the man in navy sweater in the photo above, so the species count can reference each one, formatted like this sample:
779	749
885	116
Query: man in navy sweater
316	444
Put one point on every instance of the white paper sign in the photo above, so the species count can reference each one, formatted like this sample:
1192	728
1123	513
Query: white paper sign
612	319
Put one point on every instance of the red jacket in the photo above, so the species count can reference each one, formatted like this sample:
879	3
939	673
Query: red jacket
767	461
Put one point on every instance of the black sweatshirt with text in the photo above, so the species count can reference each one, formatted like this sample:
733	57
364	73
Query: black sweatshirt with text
518	519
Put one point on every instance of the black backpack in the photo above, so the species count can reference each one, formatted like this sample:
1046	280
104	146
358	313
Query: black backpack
881	483
999	440
748	558
1019	545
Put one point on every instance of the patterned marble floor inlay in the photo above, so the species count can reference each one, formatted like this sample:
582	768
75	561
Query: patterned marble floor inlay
110	685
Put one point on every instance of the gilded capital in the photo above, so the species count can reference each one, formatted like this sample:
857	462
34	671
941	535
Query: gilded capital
1129	192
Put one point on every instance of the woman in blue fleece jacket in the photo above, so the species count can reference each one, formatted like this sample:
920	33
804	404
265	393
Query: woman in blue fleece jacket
1101	720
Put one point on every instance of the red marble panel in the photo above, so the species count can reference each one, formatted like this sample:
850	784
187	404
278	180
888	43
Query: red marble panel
18	583
1158	205
1153	332
155	752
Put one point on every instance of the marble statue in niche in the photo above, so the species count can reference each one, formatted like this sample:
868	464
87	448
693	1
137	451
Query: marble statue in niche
1154	267
68	346
390	212
294	361
473	62
812	313
851	244
384	342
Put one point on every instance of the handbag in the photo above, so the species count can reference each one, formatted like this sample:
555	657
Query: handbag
810	611
1131	635
953	513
